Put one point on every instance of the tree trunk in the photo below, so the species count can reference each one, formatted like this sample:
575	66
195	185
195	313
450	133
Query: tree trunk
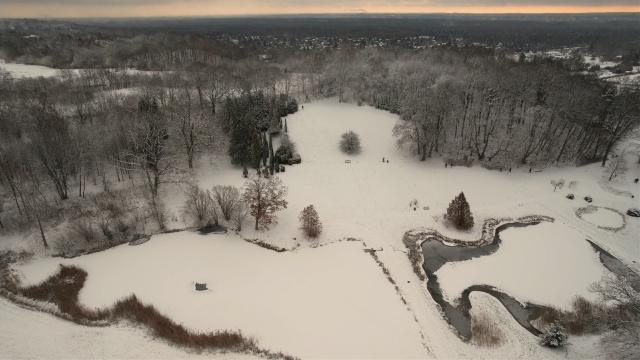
44	239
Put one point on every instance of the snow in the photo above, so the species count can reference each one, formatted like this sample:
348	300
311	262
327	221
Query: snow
580	347
26	334
333	301
604	218
28	71
547	263
327	302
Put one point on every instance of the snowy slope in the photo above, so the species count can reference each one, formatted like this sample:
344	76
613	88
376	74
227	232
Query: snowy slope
368	200
26	334
328	302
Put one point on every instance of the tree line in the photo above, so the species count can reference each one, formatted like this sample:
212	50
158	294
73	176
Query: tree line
475	107
103	128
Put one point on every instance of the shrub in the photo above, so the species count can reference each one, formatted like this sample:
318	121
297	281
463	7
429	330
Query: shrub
286	152
350	143
84	229
554	336
295	159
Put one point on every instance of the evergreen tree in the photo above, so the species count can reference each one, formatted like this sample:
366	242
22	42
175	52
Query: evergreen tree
459	213
350	143
265	149
239	143
256	150
554	336
310	222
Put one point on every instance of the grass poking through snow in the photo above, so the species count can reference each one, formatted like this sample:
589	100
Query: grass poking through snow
485	331
63	287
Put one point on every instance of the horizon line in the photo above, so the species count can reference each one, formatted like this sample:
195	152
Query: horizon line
318	14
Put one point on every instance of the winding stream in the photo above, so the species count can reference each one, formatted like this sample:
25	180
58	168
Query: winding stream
436	254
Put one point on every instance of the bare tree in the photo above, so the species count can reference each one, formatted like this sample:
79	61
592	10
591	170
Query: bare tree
198	204
617	166
265	197
557	184
623	341
53	145
159	212
620	116
149	143
228	198
240	213
191	121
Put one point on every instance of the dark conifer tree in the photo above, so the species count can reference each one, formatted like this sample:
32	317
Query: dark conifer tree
256	150
265	149
459	213
239	142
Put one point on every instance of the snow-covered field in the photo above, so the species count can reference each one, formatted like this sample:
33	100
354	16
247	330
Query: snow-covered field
604	218
28	71
328	302
333	301
565	266
26	334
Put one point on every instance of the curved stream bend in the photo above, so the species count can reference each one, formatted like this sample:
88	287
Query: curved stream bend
435	254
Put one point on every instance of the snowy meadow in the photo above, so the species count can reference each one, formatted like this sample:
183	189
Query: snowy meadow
328	297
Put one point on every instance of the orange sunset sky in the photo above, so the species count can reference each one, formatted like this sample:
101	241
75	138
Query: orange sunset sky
136	8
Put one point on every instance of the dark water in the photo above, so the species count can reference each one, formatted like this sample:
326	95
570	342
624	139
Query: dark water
617	267
436	254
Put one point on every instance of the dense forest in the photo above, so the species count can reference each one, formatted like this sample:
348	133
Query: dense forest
91	148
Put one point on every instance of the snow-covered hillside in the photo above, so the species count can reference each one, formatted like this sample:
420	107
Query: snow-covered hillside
334	301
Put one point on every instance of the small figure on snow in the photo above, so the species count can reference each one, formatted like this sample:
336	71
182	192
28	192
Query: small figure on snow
382	159
387	161
529	170
500	169
509	169
446	164
635	181
302	107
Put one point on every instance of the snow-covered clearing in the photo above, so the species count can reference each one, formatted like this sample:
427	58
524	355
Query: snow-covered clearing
28	71
547	263
328	302
604	218
26	334
365	199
